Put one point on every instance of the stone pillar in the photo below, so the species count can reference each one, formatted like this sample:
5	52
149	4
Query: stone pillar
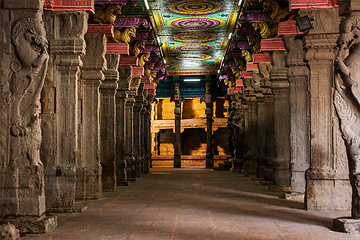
125	73
65	31
88	172
139	99
298	75
261	123
280	88
129	136
177	112
142	142
327	184
209	147
266	169
250	157
177	155
23	65
147	135
107	132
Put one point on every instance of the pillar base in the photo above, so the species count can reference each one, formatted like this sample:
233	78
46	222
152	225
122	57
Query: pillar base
177	163
32	224
237	165
130	170
347	224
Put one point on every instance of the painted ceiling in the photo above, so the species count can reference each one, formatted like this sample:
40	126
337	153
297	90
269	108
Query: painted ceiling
194	33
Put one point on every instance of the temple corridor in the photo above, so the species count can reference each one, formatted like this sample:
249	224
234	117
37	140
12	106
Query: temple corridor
194	203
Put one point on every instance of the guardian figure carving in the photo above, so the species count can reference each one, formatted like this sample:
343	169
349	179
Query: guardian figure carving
347	100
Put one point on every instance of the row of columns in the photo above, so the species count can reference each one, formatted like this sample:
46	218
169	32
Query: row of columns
291	134
95	115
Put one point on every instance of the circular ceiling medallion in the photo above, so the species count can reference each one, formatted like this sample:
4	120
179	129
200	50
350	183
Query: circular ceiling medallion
195	23
194	7
193	65
186	48
195	37
192	57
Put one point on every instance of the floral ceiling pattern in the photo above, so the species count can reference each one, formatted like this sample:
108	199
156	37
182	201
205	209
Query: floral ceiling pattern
194	33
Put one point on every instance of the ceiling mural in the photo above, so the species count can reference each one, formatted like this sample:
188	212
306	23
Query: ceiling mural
194	33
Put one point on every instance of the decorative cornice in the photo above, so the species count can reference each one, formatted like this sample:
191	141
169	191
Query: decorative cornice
69	5
107	29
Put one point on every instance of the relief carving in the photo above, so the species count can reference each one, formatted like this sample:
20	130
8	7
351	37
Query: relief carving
135	47
107	15
266	31
144	58
278	13
124	35
27	74
347	100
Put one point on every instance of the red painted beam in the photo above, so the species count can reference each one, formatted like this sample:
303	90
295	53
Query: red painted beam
120	48
239	83
150	86
145	79
128	60
238	89
137	70
152	91
230	91
262	58
245	74
107	29
272	44
289	28
70	5
301	4
251	66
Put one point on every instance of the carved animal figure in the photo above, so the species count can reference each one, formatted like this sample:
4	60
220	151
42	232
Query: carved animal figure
107	15
135	47
347	100
236	72
144	58
255	43
247	55
241	64
278	13
265	30
124	34
148	68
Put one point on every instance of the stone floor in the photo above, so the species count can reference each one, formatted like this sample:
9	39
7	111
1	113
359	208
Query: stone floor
195	204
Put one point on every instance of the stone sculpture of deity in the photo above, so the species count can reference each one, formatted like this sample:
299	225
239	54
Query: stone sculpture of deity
347	99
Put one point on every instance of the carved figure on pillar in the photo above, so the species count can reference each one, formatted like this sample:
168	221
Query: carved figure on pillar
143	59
27	75
124	34
107	14
347	100
135	47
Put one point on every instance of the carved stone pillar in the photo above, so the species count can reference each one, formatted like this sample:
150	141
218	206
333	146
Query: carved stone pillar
125	73
129	136
142	142
280	88
298	75
88	173
177	112
139	99
250	157
65	31
147	134
23	65
261	123
266	169
108	123
209	147
328	172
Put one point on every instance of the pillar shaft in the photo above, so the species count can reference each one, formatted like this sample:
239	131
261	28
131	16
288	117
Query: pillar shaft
88	172
328	172
209	133
177	150
125	73
108	124
60	143
280	88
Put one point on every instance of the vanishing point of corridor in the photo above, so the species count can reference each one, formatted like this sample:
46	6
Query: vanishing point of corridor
194	203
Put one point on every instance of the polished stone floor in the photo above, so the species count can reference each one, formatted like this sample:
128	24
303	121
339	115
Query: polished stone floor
192	204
